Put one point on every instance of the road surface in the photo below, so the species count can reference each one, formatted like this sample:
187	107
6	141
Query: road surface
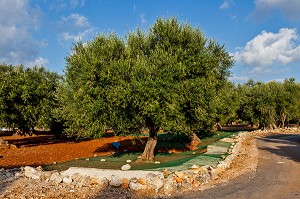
277	175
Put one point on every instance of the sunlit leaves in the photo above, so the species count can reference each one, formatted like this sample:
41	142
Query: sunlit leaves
27	96
269	104
167	78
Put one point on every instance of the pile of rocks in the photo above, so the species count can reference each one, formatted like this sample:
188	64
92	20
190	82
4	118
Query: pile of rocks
160	182
89	176
287	130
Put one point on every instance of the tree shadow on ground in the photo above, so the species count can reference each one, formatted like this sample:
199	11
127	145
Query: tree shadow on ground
137	146
22	165
39	138
126	146
238	127
119	192
7	181
288	146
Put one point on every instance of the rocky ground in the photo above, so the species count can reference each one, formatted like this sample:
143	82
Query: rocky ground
14	184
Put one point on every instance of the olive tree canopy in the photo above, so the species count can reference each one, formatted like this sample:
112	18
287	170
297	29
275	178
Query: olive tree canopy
27	96
167	78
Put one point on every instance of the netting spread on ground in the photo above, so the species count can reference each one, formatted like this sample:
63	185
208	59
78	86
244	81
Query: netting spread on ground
164	159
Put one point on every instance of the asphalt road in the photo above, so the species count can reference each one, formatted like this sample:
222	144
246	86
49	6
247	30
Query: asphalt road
277	175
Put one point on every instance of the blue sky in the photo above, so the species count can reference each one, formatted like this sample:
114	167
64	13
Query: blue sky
261	35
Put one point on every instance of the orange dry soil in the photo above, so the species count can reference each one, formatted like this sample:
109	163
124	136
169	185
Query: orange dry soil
43	149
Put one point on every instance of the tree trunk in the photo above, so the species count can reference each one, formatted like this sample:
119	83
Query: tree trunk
270	126
274	126
194	142
283	119
148	153
219	126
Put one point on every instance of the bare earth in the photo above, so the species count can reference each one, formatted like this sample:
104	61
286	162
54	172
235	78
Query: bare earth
44	149
32	154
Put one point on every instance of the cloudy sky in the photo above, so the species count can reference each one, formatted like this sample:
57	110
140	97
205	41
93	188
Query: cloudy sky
263	36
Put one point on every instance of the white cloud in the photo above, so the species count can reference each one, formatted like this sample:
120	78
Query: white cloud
18	19
18	12
289	8
239	78
66	36
40	61
76	3
268	49
75	20
224	5
58	5
143	18
74	28
233	17
277	80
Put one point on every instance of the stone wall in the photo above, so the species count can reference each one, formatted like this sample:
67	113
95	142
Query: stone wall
161	182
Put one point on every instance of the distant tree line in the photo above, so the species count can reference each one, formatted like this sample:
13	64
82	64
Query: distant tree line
270	105
170	78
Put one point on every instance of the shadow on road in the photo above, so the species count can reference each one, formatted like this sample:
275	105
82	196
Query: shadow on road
116	193
287	146
39	138
7	177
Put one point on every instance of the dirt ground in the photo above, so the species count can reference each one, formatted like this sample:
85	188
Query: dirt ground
42	149
32	154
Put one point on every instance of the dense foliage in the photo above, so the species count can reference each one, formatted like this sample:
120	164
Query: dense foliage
271	105
168	78
27	97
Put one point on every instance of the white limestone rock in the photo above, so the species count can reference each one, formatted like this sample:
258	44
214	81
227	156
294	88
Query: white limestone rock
126	167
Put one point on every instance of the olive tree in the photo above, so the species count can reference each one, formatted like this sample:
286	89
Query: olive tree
287	101
27	96
270	104
228	103
165	79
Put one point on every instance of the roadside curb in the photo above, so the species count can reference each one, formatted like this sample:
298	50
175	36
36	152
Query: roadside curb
160	182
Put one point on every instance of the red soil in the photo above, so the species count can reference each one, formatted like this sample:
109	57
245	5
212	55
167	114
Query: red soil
44	149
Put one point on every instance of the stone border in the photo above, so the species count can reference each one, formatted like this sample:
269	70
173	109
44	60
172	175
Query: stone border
161	182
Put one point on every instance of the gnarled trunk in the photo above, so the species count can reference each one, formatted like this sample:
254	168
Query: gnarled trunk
194	141
283	119
268	126
148	153
219	126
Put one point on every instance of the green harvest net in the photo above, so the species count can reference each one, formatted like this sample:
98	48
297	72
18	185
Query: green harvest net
170	161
